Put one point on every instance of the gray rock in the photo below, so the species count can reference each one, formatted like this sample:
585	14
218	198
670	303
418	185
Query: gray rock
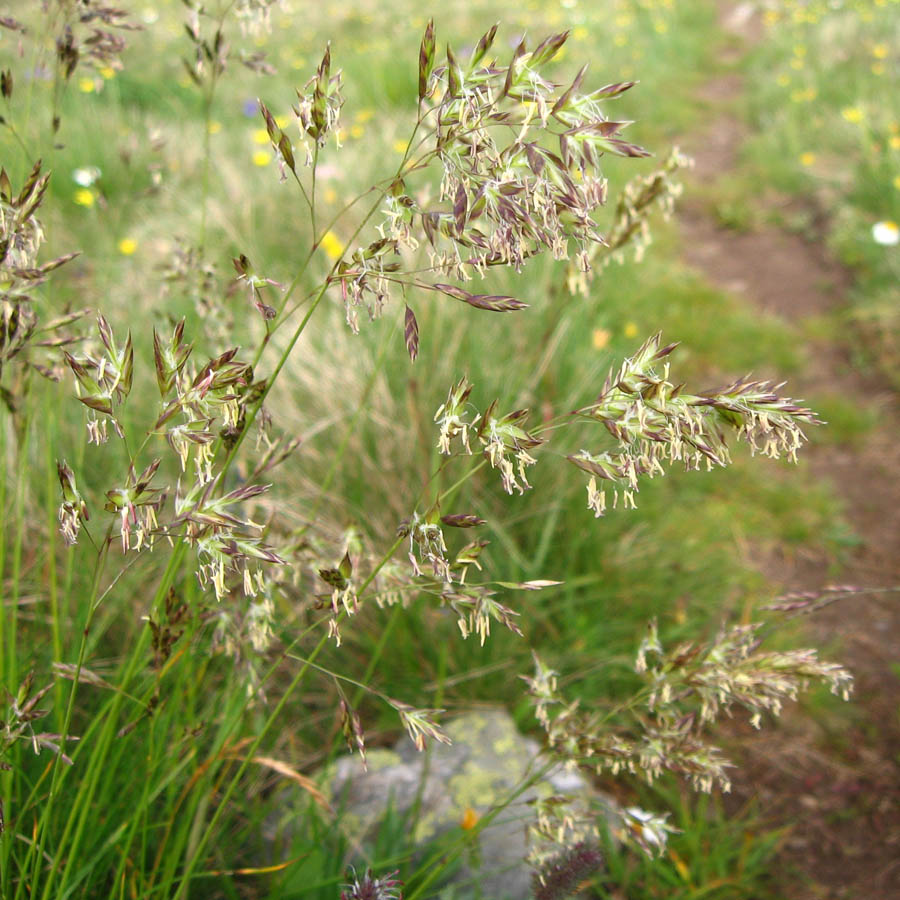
452	785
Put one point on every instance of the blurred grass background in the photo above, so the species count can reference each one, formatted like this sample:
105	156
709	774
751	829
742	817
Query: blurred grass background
824	126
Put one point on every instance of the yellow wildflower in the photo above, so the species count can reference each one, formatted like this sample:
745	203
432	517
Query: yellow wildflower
332	245
86	85
631	330
262	158
84	197
807	159
469	820
127	246
852	114
600	338
880	51
214	127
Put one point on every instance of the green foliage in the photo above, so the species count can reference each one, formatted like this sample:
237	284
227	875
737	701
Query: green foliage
713	856
824	95
191	700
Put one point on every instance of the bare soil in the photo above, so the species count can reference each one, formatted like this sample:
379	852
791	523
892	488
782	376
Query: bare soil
832	780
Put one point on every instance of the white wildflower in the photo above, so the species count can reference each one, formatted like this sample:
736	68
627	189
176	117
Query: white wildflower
886	233
86	175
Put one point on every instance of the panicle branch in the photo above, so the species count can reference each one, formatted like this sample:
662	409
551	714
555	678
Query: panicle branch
21	328
685	689
655	423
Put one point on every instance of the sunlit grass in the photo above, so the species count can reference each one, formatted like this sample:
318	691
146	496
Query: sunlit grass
677	557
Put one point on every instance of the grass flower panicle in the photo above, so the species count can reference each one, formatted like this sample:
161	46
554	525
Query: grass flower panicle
630	229
368	887
73	509
503	196
21	237
255	15
562	875
426	542
503	164
501	437
419	723
351	727
733	671
655	422
475	607
104	381
452	417
650	831
685	690
22	710
137	505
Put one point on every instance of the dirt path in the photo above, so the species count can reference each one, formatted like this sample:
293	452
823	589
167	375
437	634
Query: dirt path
836	783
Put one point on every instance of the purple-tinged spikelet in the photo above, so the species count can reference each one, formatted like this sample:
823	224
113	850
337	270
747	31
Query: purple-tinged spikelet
369	888
561	876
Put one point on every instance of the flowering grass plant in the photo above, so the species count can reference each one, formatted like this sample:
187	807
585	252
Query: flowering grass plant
243	602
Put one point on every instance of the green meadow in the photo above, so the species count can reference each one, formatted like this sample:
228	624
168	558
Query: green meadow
181	694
